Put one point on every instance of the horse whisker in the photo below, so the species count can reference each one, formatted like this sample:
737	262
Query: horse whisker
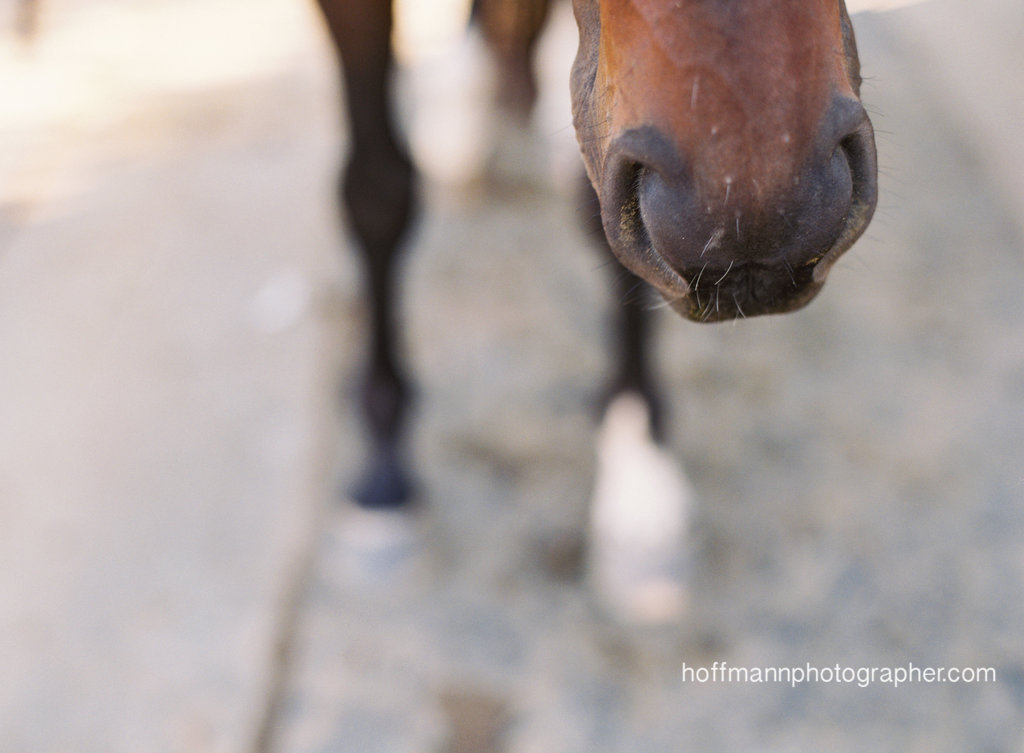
724	274
696	282
785	263
713	240
738	307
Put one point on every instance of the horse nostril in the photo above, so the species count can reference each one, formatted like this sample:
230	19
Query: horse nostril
634	158
857	145
859	149
852	135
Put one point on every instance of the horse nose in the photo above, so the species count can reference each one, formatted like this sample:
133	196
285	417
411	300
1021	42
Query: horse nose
758	226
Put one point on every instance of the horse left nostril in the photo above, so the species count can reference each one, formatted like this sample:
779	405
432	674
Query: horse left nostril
857	146
633	158
853	136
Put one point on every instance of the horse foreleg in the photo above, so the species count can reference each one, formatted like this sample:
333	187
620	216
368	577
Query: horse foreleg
26	19
377	190
511	29
637	555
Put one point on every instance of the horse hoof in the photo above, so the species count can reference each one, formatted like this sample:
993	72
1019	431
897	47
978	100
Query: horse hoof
637	558
385	485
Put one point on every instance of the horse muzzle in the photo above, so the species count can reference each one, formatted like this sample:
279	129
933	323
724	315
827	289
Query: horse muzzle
721	242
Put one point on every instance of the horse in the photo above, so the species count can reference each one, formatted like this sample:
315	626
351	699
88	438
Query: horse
725	142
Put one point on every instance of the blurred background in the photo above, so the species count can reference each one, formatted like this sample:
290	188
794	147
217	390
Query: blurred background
180	331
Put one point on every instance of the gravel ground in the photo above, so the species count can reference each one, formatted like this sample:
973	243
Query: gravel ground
858	467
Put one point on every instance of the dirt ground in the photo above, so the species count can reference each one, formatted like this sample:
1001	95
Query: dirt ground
180	338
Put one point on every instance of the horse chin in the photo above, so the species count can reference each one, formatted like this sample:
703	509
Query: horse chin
717	309
755	289
790	290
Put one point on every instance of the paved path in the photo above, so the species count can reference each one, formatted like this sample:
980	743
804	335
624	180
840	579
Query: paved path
162	421
174	318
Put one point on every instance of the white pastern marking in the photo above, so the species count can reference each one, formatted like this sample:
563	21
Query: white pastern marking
376	548
639	519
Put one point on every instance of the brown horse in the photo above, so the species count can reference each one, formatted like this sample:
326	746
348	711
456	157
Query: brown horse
725	141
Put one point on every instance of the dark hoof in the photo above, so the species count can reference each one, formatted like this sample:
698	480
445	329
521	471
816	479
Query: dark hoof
385	486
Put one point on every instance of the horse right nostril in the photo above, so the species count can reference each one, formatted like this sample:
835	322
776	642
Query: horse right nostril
634	159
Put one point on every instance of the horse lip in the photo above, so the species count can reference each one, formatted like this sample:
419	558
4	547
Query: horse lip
669	282
856	222
714	309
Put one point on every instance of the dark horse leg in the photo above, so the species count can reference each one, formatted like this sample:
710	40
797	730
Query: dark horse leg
632	371
26	19
635	565
636	553
377	188
637	543
511	29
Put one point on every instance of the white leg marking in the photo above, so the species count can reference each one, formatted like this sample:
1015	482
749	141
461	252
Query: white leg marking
637	557
374	547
